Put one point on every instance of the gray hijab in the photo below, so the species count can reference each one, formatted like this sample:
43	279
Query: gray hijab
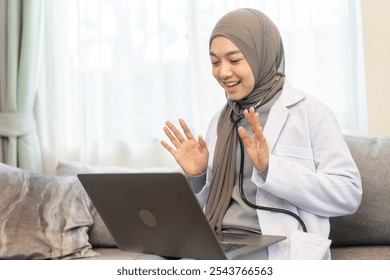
259	40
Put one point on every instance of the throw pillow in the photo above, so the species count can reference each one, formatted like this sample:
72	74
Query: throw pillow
99	236
42	216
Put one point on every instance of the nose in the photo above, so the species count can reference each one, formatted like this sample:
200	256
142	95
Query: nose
225	71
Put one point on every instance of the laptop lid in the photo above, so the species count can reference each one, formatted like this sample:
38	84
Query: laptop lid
158	213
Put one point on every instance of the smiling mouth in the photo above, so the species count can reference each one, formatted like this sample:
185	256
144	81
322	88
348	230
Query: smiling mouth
232	84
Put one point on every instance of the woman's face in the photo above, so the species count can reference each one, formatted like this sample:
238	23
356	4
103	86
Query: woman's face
230	68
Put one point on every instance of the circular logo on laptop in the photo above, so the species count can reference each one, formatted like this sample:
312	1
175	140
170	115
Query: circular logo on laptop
147	218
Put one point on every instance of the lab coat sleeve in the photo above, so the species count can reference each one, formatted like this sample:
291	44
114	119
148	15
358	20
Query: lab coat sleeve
331	186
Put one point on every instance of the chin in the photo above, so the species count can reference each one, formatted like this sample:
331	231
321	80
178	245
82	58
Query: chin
235	96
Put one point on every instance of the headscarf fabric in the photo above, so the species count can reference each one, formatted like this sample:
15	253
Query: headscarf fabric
260	42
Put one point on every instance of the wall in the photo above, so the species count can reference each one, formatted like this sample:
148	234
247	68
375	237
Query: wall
376	36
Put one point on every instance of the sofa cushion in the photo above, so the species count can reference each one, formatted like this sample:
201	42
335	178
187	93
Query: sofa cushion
117	254
370	224
361	253
42	217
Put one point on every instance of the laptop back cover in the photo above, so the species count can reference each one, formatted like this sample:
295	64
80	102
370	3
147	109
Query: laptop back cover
153	214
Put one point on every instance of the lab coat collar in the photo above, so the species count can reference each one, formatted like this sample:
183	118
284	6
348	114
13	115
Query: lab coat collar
290	95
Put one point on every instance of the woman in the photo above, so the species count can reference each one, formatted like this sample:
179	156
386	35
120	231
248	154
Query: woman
270	145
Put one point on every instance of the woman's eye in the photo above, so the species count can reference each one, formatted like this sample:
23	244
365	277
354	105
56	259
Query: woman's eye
215	62
235	61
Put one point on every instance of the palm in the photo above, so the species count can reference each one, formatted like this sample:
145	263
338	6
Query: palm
191	157
190	154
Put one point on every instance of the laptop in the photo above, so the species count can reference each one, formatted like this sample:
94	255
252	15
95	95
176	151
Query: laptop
158	213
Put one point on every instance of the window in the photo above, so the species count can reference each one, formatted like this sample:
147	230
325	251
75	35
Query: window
115	70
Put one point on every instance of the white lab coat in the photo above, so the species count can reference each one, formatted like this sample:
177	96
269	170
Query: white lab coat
311	173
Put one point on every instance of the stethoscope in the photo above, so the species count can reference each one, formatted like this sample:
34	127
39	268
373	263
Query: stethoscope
235	118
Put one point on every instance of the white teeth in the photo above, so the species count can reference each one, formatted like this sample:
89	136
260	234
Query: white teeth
231	84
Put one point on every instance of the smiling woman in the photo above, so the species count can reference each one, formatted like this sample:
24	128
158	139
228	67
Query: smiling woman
244	183
113	71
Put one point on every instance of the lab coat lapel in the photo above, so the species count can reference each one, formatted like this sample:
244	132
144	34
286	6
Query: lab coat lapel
279	113
276	119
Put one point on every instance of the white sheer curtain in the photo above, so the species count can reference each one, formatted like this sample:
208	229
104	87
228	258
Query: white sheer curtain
115	70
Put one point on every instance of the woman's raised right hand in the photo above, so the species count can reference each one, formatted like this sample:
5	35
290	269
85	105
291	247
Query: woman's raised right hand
191	154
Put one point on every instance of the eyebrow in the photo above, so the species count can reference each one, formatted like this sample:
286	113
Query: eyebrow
228	53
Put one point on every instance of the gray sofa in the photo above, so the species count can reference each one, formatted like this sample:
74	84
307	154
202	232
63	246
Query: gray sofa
366	234
51	217
363	235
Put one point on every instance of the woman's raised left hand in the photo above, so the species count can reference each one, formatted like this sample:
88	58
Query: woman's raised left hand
257	145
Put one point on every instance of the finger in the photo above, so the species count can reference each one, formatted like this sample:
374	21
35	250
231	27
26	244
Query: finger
256	128
202	144
186	130
171	137
246	114
175	131
245	136
258	134
249	115
254	121
168	147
